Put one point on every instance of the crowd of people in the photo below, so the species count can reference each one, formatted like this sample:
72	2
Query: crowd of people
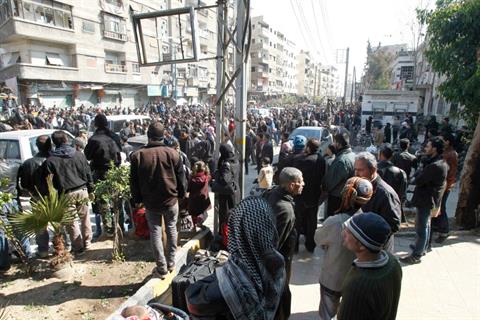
364	195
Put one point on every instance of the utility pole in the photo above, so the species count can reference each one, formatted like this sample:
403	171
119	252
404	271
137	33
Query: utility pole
353	85
346	79
241	90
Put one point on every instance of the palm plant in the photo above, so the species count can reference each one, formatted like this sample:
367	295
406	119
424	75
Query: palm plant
6	204
53	210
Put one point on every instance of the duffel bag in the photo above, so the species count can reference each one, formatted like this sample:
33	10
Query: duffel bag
202	265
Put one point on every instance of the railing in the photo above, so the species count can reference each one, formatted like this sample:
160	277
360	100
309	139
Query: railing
115	68
115	35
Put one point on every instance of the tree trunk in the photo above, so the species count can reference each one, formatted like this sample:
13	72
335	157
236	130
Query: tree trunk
58	245
469	195
61	256
117	254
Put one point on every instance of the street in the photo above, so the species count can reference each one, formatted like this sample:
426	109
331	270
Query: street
438	288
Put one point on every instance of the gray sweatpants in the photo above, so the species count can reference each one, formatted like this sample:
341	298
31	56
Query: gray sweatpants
154	218
329	302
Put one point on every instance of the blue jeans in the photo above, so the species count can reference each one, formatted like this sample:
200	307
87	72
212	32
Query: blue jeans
154	218
4	255
440	223
422	230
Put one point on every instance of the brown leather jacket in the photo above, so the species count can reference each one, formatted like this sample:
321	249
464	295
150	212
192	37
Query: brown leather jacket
451	158
157	177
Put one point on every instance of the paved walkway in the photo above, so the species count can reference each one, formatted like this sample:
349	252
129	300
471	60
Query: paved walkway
446	285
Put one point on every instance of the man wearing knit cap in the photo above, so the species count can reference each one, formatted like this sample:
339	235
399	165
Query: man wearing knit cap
299	143
371	289
337	259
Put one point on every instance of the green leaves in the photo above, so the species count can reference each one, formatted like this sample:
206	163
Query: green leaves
378	68
54	210
115	186
453	35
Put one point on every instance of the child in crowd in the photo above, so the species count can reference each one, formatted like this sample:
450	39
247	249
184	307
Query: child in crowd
265	177
199	200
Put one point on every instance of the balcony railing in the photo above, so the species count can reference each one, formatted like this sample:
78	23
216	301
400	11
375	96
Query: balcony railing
109	67
115	35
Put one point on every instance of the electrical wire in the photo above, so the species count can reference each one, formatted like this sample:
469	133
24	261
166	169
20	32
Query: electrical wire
298	23
319	34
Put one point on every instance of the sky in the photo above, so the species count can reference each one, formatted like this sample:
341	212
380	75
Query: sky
328	25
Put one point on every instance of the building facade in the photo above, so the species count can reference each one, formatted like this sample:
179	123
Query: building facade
273	62
83	52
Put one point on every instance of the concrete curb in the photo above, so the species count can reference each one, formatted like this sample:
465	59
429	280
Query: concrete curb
155	287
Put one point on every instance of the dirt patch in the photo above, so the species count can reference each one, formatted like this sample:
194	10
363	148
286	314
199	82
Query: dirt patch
95	289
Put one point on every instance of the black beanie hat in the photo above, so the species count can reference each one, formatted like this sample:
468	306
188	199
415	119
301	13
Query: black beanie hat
100	121
370	229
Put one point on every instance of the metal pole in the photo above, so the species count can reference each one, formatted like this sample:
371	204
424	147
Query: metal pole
241	93
221	65
346	79
353	86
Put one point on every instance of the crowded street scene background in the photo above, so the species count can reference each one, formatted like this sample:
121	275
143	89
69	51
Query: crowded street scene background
239	160
365	177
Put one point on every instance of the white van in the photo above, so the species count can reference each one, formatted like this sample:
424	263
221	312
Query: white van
117	122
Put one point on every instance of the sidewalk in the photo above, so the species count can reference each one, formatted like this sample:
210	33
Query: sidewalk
446	285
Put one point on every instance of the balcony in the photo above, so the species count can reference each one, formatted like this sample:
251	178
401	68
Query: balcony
18	29
115	35
115	68
29	71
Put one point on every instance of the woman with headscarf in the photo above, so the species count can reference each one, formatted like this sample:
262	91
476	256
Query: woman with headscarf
225	186
250	283
338	259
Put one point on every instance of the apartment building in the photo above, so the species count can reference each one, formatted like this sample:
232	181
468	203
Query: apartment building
403	70
427	83
328	82
273	62
306	68
83	52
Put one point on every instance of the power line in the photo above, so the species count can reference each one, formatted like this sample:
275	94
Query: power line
319	33
326	23
306	25
298	22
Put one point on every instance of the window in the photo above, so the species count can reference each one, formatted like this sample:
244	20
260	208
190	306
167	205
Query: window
53	59
5	12
114	27
253	69
406	73
135	67
88	26
47	12
13	150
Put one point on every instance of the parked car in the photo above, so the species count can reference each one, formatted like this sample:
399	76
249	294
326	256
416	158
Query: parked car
18	146
117	122
322	134
138	141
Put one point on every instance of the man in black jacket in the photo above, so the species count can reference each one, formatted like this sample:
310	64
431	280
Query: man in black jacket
430	183
71	175
312	166
30	183
281	199
404	159
266	150
394	176
384	201
102	148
